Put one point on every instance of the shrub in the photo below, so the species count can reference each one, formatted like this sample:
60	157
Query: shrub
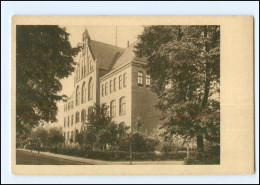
143	143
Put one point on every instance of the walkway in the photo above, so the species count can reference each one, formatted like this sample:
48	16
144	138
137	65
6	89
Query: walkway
100	162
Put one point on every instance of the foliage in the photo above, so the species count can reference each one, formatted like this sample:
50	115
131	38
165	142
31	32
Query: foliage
40	136
188	87
43	57
100	130
55	136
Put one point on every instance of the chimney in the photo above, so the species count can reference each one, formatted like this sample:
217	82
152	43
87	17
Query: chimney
128	43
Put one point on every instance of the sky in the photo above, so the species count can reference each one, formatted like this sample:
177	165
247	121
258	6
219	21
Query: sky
105	34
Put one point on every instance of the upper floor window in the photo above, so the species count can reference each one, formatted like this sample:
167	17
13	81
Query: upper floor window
68	135
72	120
148	80
90	89
124	80
111	86
113	108
84	92
77	95
77	117
64	122
103	90
68	121
140	78
106	88
120	82
114	84
122	106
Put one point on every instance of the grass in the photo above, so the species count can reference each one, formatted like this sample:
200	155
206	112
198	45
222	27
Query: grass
28	158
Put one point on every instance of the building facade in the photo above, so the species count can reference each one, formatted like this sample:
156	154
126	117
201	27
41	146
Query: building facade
114	76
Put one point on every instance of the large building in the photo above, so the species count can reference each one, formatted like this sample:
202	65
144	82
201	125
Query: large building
114	76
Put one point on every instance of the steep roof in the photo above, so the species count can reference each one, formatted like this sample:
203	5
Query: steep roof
127	56
106	54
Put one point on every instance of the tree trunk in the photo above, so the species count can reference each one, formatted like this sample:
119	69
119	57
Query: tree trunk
200	143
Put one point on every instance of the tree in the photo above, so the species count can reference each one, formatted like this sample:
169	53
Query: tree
100	129
43	57
184	63
40	136
55	136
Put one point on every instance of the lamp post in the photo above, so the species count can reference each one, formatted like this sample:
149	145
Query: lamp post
130	142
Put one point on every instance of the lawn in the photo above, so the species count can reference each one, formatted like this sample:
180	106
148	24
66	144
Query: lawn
28	158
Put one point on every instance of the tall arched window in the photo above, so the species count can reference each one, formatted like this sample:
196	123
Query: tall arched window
140	78
68	121
77	96
90	89
124	80
114	84
72	120
111	86
83	115
113	108
106	88
120	82
77	117
122	106
84	92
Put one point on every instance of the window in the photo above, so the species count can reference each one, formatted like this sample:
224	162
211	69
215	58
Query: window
72	136
114	84
83	115
84	91
90	89
68	121
68	135
103	90
148	80
90	111
77	117
122	106
72	120
106	88
124	80
111	87
77	95
120	81
140	78
85	67
64	122
113	108
64	135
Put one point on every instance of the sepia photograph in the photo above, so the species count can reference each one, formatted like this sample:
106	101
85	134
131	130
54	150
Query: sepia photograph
118	95
132	95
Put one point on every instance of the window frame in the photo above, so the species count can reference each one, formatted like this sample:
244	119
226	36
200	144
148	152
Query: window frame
140	80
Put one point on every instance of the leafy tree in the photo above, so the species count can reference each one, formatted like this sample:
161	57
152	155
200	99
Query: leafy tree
55	136
40	136
43	57
100	129
80	139
184	63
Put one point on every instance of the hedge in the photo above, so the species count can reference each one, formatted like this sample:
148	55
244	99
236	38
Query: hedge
115	155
